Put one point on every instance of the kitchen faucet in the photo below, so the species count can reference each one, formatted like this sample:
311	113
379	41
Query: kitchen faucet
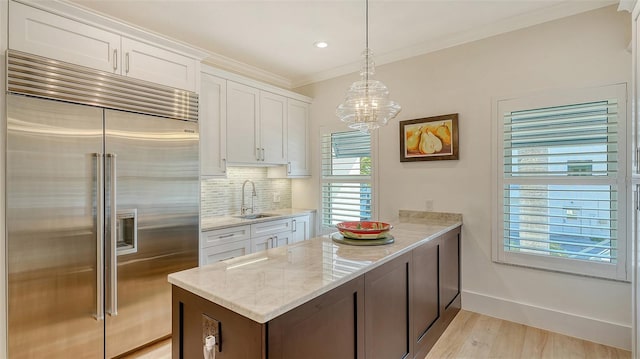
243	207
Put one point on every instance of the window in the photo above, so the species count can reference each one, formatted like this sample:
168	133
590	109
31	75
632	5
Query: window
560	186
346	177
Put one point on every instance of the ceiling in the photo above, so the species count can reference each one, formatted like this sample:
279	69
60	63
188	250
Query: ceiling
273	40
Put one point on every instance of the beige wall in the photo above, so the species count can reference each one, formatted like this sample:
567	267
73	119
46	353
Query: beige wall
579	51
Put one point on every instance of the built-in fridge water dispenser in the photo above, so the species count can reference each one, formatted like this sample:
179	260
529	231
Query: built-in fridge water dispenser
127	229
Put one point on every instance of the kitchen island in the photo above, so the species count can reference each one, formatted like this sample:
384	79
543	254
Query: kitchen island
320	299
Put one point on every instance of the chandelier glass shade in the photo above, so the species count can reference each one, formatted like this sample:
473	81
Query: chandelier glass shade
367	106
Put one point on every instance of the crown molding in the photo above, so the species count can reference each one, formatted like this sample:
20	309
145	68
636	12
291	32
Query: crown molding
241	68
499	27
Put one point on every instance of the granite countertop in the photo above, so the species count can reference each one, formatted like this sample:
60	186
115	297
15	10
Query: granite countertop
264	285
219	222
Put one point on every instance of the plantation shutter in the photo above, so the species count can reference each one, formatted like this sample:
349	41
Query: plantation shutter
346	177
560	181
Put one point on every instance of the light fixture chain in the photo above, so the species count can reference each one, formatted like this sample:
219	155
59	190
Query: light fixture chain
366	66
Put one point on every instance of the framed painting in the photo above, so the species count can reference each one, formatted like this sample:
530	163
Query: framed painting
429	139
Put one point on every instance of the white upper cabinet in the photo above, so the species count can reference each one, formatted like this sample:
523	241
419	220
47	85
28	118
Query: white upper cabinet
150	63
56	37
298	159
273	128
242	124
213	125
256	126
298	139
61	38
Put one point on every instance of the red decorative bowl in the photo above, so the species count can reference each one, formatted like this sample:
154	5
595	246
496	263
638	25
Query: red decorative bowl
364	229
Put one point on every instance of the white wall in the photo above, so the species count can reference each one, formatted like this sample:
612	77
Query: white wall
579	51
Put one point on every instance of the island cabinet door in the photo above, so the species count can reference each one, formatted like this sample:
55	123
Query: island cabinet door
450	274
387	317
425	305
329	326
240	337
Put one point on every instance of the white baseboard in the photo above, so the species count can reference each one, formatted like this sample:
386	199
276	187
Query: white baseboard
595	330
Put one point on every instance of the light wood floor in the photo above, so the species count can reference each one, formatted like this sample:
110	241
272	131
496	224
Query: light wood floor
475	336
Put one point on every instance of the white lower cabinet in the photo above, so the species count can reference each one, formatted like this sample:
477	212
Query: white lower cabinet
227	243
265	235
271	241
300	228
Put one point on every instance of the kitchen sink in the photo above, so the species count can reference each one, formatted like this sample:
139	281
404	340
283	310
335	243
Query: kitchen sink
255	215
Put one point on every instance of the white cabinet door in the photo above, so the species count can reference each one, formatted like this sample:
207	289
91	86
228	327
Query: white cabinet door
213	125
261	243
271	241
242	124
273	128
42	33
224	251
282	239
150	63
298	161
300	228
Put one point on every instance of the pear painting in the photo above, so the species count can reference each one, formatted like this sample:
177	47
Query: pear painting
432	138
428	139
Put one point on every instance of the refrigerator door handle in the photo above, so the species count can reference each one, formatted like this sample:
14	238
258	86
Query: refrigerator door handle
113	245
99	236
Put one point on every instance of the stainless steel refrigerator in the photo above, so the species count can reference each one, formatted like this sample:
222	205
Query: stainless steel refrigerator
102	204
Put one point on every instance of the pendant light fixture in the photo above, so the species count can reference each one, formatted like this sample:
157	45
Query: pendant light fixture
367	105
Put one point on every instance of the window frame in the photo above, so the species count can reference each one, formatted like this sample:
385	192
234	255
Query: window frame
554	98
325	130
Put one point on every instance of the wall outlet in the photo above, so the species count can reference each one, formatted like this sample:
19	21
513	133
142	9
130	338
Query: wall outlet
428	205
276	197
212	327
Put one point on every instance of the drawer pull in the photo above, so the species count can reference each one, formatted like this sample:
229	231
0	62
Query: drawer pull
226	235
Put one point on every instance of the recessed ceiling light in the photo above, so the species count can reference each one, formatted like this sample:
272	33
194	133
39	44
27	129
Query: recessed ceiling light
320	44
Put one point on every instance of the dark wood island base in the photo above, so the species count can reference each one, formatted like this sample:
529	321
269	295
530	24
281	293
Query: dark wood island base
396	310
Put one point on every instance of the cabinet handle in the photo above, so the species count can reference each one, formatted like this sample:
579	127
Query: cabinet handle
115	59
263	154
637	192
294	225
224	165
258	153
126	62
289	167
637	159
226	235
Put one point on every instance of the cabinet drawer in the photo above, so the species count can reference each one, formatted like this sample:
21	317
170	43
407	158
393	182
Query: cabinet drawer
225	251
226	235
271	227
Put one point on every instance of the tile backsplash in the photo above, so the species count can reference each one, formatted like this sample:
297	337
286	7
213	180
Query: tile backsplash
223	196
